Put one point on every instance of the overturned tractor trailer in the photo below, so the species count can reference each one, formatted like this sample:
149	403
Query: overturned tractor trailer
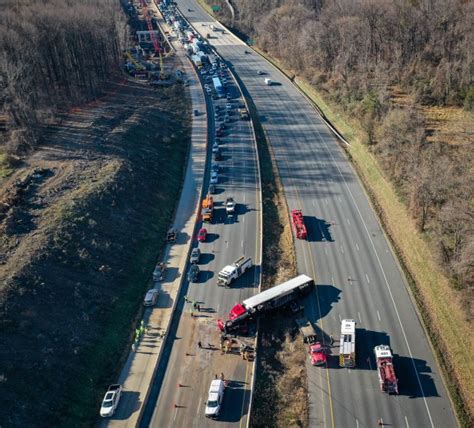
276	297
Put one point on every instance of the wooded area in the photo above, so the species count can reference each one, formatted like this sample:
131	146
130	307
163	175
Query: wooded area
383	62
53	54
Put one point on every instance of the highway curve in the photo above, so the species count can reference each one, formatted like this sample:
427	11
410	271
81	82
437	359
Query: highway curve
349	256
184	374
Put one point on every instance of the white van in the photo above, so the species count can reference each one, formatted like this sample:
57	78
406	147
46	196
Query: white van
214	400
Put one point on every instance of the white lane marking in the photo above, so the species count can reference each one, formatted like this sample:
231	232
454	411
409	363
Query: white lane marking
348	221
340	319
357	423
326	251
332	280
243	220
406	421
378	315
342	249
175	413
242	243
340	199
357	246
387	285
199	406
227	244
314	204
368	280
360	319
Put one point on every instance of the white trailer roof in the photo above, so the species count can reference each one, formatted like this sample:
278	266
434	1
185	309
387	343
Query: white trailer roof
276	291
348	327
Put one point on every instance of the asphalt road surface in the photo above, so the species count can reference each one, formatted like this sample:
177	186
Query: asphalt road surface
179	391
347	253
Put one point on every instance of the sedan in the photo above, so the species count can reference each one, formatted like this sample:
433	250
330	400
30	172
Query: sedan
260	72
193	273
228	106
215	148
202	234
195	255
214	177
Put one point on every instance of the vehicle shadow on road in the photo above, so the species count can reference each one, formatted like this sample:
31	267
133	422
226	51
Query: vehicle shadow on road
318	229
406	369
235	393
129	404
206	258
164	300
327	295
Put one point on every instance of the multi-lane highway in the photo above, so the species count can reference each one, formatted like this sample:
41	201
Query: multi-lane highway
347	253
179	391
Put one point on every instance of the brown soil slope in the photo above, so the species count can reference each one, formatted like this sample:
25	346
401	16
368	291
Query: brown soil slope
81	224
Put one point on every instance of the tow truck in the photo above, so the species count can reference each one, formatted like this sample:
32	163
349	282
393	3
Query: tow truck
316	350
231	272
242	314
207	208
386	371
298	224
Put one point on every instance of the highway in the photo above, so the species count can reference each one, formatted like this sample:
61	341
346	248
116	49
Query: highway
349	256
184	374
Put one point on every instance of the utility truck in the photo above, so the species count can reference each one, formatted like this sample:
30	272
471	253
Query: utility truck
385	369
242	314
231	272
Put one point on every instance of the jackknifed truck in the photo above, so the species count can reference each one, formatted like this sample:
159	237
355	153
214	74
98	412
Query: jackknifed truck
386	371
231	272
279	296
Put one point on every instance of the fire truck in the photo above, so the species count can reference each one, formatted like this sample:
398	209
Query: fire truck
298	224
386	371
207	209
276	297
347	355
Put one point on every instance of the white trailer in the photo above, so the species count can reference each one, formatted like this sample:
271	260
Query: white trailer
231	272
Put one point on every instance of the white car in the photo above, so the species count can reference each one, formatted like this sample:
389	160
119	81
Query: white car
111	401
151	297
214	177
214	399
215	148
228	106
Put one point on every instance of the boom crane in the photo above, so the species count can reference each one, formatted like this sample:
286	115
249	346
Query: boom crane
154	40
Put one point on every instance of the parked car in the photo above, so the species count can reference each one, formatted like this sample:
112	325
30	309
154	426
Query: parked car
214	177
193	273
215	148
212	189
228	106
202	234
260	72
151	297
195	255
111	401
196	112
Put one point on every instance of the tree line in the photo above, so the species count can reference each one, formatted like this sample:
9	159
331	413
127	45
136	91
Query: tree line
53	54
359	53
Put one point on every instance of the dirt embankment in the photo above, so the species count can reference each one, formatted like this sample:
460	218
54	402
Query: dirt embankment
81	224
